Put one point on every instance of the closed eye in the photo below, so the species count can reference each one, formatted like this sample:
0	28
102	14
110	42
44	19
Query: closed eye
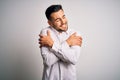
57	20
63	16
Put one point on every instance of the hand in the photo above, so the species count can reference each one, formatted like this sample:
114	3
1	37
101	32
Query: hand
46	40
74	40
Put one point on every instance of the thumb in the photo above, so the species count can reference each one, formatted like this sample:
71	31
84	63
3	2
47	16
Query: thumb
74	34
48	33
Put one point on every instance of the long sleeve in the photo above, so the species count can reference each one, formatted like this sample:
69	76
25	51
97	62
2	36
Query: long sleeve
60	51
66	53
59	61
48	57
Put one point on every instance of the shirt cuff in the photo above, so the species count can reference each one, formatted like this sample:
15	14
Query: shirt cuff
55	47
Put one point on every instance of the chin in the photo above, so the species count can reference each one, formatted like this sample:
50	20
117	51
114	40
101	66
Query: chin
61	30
65	29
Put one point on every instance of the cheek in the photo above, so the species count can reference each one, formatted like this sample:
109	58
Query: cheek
57	24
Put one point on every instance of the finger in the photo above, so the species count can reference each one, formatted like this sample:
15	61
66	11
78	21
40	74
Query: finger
79	40
79	37
48	32
39	39
40	35
39	42
79	44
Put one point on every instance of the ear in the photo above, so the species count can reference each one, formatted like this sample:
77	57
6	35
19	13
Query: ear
50	23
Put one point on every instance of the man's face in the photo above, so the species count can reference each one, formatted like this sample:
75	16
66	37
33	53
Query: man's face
58	21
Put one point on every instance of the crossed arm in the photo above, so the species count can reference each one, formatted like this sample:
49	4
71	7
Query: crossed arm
68	51
48	42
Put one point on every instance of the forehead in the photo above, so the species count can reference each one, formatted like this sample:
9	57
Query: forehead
57	14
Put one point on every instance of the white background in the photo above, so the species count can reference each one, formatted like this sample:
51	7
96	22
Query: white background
22	20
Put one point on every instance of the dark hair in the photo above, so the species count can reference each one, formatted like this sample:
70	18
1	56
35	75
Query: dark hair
51	9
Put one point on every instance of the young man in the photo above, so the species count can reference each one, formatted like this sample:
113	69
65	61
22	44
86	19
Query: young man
60	46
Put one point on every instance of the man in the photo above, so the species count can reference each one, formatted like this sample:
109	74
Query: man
60	46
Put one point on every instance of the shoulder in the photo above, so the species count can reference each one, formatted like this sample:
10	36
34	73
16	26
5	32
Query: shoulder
71	31
44	30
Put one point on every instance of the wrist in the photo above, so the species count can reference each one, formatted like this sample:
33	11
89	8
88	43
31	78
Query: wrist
51	44
69	43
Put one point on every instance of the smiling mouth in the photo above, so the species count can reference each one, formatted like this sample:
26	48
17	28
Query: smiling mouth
64	25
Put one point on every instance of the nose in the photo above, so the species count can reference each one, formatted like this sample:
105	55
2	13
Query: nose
63	21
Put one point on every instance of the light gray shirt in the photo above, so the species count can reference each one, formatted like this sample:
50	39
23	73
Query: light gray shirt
60	60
